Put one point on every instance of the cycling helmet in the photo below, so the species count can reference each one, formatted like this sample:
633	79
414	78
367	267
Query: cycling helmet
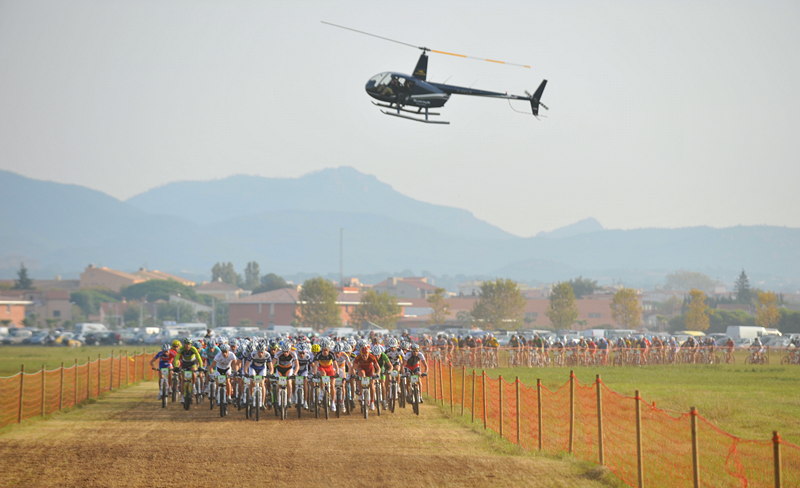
364	349
261	348
165	347
415	347
197	344
377	349
316	348
285	346
224	348
176	343
347	348
186	341
338	348
392	342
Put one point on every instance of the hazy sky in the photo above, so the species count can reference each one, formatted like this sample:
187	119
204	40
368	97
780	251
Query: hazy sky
663	113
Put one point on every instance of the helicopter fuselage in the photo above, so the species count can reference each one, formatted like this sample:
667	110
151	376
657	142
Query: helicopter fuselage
404	89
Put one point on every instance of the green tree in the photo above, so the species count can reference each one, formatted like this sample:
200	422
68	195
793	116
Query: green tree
252	275
379	308
583	286
744	294
696	316
563	311
88	301
767	314
226	273
439	306
626	309
271	282
177	311
153	290
500	305
687	280
318	306
23	282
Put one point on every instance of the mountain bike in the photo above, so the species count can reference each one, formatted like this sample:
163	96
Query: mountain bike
176	382
393	395
299	394
244	395
415	394
212	390
221	396
378	395
163	386
198	386
339	387
188	386
253	407
282	400
366	394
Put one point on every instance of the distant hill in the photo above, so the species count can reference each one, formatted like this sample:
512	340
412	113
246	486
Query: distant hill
291	226
334	190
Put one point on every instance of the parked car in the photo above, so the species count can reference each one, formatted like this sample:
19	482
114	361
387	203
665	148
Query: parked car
17	335
108	338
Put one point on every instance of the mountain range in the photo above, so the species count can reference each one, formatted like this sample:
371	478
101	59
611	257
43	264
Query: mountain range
293	226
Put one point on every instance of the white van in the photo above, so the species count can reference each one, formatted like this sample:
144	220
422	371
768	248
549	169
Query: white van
83	328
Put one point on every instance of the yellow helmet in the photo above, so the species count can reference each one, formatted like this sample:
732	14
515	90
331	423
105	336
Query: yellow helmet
315	348
176	343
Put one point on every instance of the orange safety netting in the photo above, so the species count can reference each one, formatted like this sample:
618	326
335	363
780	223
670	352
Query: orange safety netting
639	442
32	394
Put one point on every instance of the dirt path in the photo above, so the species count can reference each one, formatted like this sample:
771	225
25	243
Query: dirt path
127	439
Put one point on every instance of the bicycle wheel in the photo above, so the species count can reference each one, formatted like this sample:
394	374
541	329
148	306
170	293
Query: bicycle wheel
299	404
326	403
401	398
415	399
378	400
174	390
257	408
392	394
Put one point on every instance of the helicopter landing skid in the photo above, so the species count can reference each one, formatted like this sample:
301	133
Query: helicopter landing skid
422	112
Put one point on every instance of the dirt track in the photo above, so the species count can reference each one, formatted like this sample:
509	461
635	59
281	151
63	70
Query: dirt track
127	439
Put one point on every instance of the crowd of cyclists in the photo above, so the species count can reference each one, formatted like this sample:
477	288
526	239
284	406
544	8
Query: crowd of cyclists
317	370
250	370
486	352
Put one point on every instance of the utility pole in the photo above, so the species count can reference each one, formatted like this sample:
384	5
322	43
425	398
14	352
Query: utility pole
341	257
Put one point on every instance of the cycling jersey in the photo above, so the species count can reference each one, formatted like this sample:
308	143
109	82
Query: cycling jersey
188	358
304	360
369	365
395	355
258	363
284	362
412	361
384	362
224	362
165	358
325	362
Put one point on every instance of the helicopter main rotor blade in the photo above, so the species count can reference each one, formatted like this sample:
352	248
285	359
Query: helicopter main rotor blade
428	49
375	35
481	59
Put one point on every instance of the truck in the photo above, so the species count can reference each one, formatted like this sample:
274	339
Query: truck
745	332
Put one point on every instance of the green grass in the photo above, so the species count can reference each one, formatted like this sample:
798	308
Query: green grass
33	357
746	401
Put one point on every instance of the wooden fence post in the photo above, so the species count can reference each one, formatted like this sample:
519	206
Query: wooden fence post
61	388
75	383
640	467
98	374
695	451
435	390
519	415
472	408
539	409
600	449
450	380
463	387
483	396
21	391
44	403
441	383
571	410
501	416
111	373
776	451
88	377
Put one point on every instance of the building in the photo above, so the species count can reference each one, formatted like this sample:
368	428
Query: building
94	277
282	307
407	288
222	291
154	274
12	311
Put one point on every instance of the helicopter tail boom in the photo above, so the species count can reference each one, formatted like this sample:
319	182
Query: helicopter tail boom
537	95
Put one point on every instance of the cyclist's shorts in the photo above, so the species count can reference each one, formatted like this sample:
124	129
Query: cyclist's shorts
283	370
223	372
166	364
327	370
189	367
254	370
413	371
367	370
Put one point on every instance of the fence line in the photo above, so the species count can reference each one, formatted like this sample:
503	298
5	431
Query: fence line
25	395
640	443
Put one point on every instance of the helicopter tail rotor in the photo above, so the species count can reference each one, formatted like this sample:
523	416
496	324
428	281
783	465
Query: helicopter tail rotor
536	97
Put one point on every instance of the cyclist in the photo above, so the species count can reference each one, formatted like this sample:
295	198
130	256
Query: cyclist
257	364
286	364
225	363
188	359
757	351
304	360
366	365
342	365
412	362
324	364
386	366
165	358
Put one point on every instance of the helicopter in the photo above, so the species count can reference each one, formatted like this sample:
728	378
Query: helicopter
412	96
